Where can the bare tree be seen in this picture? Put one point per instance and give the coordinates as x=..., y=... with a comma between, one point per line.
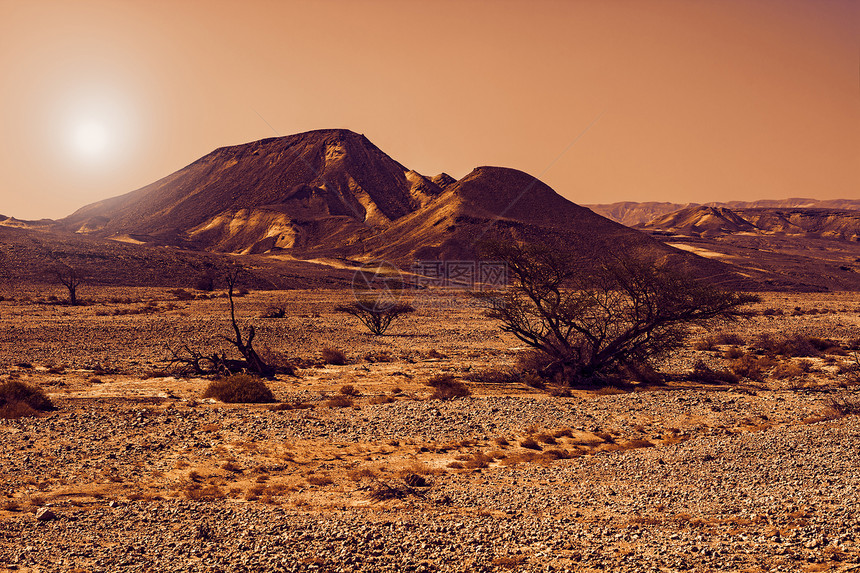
x=590, y=317
x=376, y=314
x=244, y=344
x=70, y=278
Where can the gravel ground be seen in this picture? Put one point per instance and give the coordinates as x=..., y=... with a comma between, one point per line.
x=142, y=474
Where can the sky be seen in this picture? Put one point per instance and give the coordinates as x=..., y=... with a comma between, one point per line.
x=604, y=100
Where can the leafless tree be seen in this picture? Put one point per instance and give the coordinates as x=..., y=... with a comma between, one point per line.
x=376, y=314
x=244, y=344
x=69, y=277
x=591, y=315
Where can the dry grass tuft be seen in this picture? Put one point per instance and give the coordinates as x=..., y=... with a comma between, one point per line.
x=339, y=401
x=319, y=480
x=446, y=387
x=349, y=390
x=19, y=400
x=333, y=356
x=240, y=388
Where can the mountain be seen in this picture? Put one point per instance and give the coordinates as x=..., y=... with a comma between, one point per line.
x=333, y=194
x=302, y=191
x=635, y=214
x=814, y=248
x=818, y=223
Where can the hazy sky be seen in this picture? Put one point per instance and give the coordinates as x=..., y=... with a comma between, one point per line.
x=604, y=100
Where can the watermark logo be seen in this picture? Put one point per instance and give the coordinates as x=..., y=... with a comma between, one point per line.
x=378, y=286
x=466, y=275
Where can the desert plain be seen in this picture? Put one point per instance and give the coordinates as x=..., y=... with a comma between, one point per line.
x=356, y=467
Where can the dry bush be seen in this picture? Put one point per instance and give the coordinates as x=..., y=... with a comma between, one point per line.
x=545, y=438
x=435, y=354
x=274, y=312
x=786, y=370
x=319, y=480
x=729, y=338
x=749, y=366
x=703, y=374
x=382, y=400
x=333, y=356
x=18, y=400
x=446, y=387
x=493, y=376
x=380, y=356
x=733, y=353
x=349, y=390
x=501, y=441
x=609, y=391
x=9, y=505
x=240, y=388
x=839, y=408
x=795, y=345
x=532, y=361
x=477, y=461
x=706, y=344
x=232, y=467
x=196, y=492
x=529, y=443
x=637, y=443
x=360, y=474
x=339, y=401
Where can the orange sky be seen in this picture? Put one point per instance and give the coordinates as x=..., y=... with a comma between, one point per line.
x=693, y=100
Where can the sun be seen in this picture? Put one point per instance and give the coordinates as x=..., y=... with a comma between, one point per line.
x=90, y=139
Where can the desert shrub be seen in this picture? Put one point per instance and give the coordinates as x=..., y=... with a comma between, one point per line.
x=827, y=346
x=274, y=312
x=319, y=480
x=494, y=376
x=232, y=467
x=196, y=492
x=592, y=312
x=333, y=356
x=545, y=438
x=733, y=353
x=380, y=356
x=339, y=401
x=752, y=367
x=240, y=388
x=786, y=370
x=708, y=343
x=794, y=345
x=382, y=400
x=18, y=400
x=349, y=390
x=839, y=408
x=435, y=354
x=182, y=294
x=478, y=460
x=376, y=314
x=704, y=374
x=729, y=338
x=529, y=443
x=446, y=387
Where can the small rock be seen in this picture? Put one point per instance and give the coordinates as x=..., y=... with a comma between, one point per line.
x=45, y=514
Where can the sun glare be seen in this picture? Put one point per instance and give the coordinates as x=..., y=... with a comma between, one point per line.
x=90, y=139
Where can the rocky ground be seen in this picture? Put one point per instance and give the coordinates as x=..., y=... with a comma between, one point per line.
x=136, y=471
